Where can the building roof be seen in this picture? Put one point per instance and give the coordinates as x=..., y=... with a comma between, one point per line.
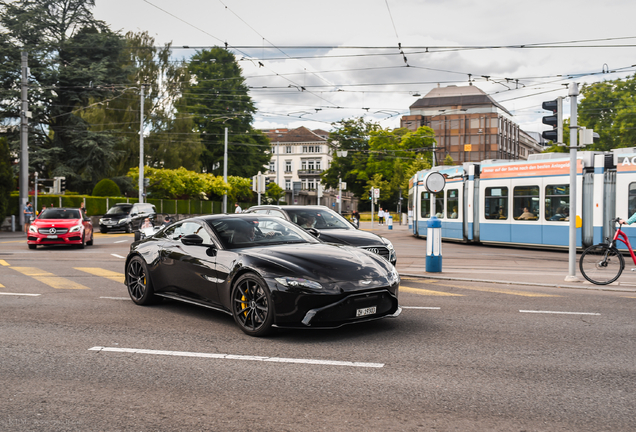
x=464, y=96
x=300, y=135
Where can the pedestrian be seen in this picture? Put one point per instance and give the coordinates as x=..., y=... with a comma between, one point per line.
x=28, y=216
x=237, y=208
x=381, y=216
x=83, y=208
x=166, y=221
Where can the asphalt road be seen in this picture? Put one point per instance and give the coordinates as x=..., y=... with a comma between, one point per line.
x=80, y=356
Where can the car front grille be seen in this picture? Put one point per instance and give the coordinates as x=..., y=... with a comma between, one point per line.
x=383, y=251
x=55, y=230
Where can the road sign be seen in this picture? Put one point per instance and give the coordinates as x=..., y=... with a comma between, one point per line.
x=376, y=193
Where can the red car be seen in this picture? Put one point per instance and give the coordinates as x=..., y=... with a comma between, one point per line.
x=61, y=226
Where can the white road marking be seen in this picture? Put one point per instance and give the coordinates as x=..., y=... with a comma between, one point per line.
x=556, y=312
x=116, y=298
x=419, y=307
x=118, y=256
x=239, y=357
x=20, y=294
x=121, y=241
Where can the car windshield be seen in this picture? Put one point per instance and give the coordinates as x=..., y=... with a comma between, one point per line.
x=240, y=232
x=119, y=210
x=318, y=218
x=60, y=214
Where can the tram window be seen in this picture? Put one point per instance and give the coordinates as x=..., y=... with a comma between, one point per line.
x=439, y=204
x=631, y=206
x=425, y=205
x=525, y=202
x=557, y=202
x=496, y=203
x=452, y=203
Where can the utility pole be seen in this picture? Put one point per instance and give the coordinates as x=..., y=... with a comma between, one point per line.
x=24, y=138
x=225, y=173
x=574, y=131
x=278, y=168
x=141, y=148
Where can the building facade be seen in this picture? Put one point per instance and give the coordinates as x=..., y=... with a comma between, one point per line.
x=299, y=157
x=469, y=126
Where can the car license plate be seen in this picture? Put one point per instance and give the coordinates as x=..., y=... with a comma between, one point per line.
x=365, y=311
x=51, y=236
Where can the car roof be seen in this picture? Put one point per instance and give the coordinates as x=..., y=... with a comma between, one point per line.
x=292, y=207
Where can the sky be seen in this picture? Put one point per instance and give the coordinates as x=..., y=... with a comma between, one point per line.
x=312, y=63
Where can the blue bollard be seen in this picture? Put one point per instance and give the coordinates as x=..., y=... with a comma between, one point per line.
x=434, y=245
x=390, y=222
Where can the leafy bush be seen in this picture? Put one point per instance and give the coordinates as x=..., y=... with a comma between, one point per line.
x=106, y=188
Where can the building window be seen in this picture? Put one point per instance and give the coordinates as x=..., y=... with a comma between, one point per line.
x=303, y=165
x=311, y=184
x=317, y=149
x=288, y=166
x=287, y=184
x=303, y=184
x=317, y=164
x=310, y=165
x=272, y=166
x=288, y=149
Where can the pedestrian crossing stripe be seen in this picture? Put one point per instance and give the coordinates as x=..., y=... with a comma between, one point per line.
x=422, y=291
x=49, y=279
x=108, y=274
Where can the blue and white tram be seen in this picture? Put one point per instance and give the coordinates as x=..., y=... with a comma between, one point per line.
x=527, y=202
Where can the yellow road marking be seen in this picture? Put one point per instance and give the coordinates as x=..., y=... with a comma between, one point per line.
x=498, y=291
x=628, y=296
x=14, y=241
x=427, y=292
x=49, y=279
x=96, y=271
x=4, y=263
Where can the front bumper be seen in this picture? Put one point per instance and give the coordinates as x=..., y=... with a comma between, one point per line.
x=114, y=226
x=303, y=310
x=42, y=239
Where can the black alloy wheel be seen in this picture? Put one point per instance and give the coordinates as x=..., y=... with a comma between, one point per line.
x=32, y=246
x=103, y=230
x=138, y=282
x=83, y=244
x=252, y=306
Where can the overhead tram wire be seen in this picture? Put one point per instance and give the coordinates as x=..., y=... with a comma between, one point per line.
x=228, y=45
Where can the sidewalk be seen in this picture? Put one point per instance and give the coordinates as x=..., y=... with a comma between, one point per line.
x=493, y=264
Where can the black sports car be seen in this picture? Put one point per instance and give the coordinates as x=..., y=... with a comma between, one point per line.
x=264, y=271
x=330, y=227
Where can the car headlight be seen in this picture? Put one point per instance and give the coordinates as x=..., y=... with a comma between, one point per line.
x=121, y=221
x=388, y=243
x=298, y=282
x=75, y=228
x=33, y=229
x=101, y=221
x=393, y=277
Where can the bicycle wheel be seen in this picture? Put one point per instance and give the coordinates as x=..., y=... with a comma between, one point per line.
x=601, y=264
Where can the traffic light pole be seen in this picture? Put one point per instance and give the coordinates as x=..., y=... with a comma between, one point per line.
x=141, y=147
x=573, y=93
x=24, y=140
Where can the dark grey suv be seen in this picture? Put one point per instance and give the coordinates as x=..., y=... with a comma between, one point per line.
x=126, y=217
x=330, y=227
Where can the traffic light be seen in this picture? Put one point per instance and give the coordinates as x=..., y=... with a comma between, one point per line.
x=62, y=184
x=555, y=120
x=371, y=193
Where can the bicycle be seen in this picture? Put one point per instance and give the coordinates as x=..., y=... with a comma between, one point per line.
x=603, y=263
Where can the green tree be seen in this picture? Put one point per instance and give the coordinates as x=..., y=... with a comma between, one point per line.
x=181, y=183
x=106, y=188
x=351, y=135
x=74, y=59
x=448, y=160
x=274, y=192
x=6, y=178
x=608, y=108
x=217, y=95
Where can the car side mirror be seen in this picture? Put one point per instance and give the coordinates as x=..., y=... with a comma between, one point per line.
x=313, y=231
x=192, y=240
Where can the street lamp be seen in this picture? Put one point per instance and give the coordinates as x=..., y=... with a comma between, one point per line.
x=340, y=153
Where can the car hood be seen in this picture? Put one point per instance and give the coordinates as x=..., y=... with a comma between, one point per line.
x=351, y=237
x=61, y=223
x=325, y=263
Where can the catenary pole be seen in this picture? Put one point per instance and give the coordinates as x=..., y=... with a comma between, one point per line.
x=141, y=147
x=573, y=93
x=225, y=173
x=24, y=139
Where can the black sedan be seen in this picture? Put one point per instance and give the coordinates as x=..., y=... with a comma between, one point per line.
x=264, y=271
x=330, y=226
